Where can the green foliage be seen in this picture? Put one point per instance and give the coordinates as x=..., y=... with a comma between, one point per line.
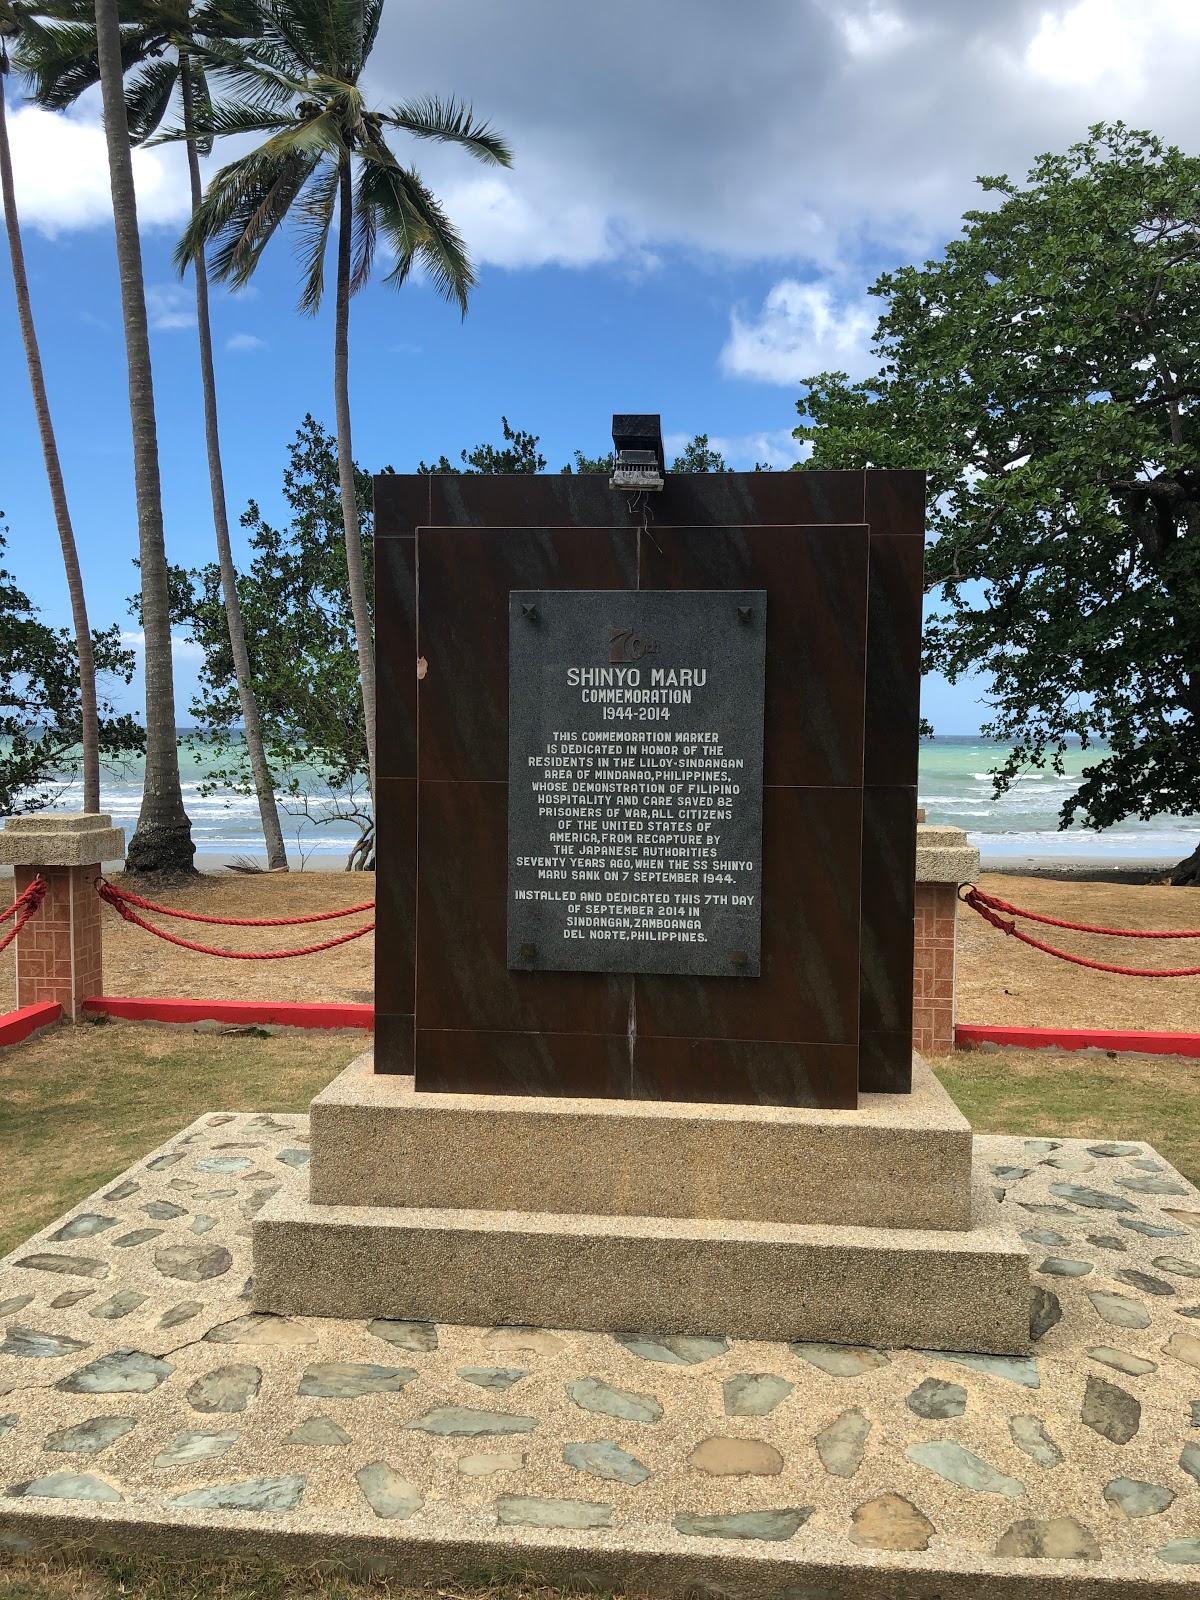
x=519, y=453
x=40, y=721
x=697, y=457
x=1045, y=372
x=299, y=632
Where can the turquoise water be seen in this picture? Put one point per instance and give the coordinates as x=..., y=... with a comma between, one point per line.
x=954, y=788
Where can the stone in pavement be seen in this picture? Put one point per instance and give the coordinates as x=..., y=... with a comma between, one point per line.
x=499, y=1378
x=1133, y=1498
x=1145, y=1282
x=532, y=1511
x=773, y=1525
x=8, y=1422
x=1054, y=1539
x=192, y=1263
x=537, y=1341
x=1185, y=1269
x=1106, y=1241
x=17, y=1302
x=163, y=1210
x=1184, y=1347
x=389, y=1495
x=1110, y=1411
x=1081, y=1194
x=463, y=1422
x=1029, y=1434
x=252, y=1494
x=604, y=1458
x=32, y=1345
x=1151, y=1230
x=1189, y=1460
x=590, y=1394
x=1045, y=1310
x=418, y=1336
x=185, y=1448
x=183, y=1312
x=1148, y=1185
x=890, y=1522
x=318, y=1430
x=1121, y=1361
x=840, y=1361
x=74, y=1266
x=736, y=1458
x=67, y=1486
x=1013, y=1369
x=1066, y=1267
x=88, y=1438
x=261, y=1327
x=1112, y=1150
x=130, y=1241
x=119, y=1372
x=679, y=1352
x=1180, y=1552
x=949, y=1460
x=754, y=1394
x=118, y=1305
x=936, y=1400
x=84, y=1227
x=345, y=1380
x=841, y=1444
x=1118, y=1310
x=225, y=1389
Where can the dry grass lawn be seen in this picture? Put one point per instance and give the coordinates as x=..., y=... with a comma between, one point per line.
x=1001, y=981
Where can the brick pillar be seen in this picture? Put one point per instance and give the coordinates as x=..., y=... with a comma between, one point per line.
x=944, y=860
x=59, y=955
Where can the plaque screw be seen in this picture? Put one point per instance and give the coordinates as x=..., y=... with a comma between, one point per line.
x=745, y=613
x=529, y=610
x=527, y=952
x=738, y=957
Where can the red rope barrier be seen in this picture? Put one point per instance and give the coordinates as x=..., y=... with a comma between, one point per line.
x=110, y=892
x=130, y=915
x=997, y=904
x=983, y=904
x=26, y=904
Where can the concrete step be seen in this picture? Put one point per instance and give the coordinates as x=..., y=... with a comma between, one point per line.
x=935, y=1289
x=897, y=1161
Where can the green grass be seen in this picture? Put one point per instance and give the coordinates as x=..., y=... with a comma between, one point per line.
x=80, y=1104
x=109, y=1578
x=1081, y=1095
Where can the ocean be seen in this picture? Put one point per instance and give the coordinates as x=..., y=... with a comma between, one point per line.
x=954, y=788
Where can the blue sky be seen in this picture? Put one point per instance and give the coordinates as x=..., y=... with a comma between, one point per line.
x=701, y=194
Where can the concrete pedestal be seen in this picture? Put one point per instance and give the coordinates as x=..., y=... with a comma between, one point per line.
x=853, y=1226
x=944, y=860
x=59, y=953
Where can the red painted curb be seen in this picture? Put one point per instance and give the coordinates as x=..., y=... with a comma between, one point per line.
x=18, y=1025
x=282, y=1013
x=1140, y=1043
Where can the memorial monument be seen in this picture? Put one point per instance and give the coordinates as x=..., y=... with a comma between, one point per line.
x=646, y=821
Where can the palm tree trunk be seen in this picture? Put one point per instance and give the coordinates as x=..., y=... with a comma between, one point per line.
x=162, y=840
x=341, y=400
x=90, y=726
x=264, y=786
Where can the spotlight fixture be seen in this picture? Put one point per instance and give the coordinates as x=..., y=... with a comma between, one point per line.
x=639, y=466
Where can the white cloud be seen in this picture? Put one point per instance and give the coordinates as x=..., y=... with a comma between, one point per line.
x=802, y=329
x=60, y=168
x=1112, y=40
x=245, y=343
x=170, y=306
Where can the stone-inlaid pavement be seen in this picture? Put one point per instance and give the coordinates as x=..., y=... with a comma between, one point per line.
x=143, y=1399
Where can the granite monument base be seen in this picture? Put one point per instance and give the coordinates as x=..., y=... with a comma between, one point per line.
x=762, y=1222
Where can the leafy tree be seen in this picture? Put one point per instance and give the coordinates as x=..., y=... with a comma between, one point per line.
x=1045, y=371
x=300, y=633
x=41, y=721
x=163, y=49
x=697, y=457
x=326, y=155
x=519, y=453
x=16, y=22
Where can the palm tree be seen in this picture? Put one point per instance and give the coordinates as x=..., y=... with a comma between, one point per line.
x=162, y=45
x=11, y=24
x=162, y=840
x=326, y=156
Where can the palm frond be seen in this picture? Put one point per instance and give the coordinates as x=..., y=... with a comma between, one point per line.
x=224, y=118
x=256, y=71
x=148, y=93
x=412, y=220
x=314, y=218
x=59, y=59
x=242, y=209
x=363, y=245
x=451, y=122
